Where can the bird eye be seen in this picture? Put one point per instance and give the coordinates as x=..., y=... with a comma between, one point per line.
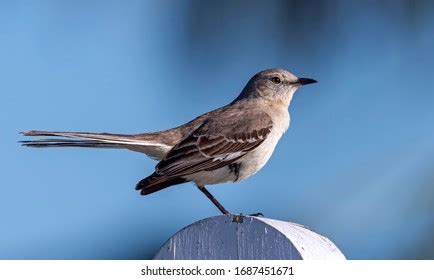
x=276, y=80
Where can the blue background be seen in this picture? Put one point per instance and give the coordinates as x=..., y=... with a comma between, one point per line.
x=356, y=164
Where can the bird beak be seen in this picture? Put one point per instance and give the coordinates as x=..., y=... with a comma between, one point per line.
x=305, y=81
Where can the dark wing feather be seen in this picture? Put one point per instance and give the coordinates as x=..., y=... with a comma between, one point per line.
x=209, y=152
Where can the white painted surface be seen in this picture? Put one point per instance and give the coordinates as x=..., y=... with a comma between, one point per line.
x=249, y=238
x=310, y=244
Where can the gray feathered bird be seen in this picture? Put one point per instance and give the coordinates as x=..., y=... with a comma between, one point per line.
x=228, y=144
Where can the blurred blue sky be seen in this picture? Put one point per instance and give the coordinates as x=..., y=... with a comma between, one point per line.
x=356, y=164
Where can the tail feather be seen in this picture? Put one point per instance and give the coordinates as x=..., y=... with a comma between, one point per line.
x=102, y=137
x=148, y=144
x=52, y=143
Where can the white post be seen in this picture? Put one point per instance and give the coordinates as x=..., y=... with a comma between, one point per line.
x=246, y=237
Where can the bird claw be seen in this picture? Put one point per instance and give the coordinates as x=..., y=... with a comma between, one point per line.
x=257, y=215
x=239, y=218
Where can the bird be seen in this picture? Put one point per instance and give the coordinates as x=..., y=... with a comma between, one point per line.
x=228, y=144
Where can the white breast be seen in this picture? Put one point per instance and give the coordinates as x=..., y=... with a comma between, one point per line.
x=256, y=159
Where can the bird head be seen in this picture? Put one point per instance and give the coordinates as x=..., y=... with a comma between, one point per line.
x=273, y=85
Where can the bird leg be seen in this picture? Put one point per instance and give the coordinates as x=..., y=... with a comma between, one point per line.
x=213, y=200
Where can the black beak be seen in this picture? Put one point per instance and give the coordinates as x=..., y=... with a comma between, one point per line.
x=306, y=81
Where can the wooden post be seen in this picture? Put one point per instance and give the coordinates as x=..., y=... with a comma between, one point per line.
x=246, y=237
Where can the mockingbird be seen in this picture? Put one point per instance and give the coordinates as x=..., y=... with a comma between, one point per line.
x=228, y=144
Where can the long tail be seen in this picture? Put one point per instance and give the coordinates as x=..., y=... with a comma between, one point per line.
x=150, y=144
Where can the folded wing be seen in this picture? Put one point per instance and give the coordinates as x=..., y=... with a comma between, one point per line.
x=216, y=143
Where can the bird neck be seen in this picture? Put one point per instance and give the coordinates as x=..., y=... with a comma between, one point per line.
x=279, y=100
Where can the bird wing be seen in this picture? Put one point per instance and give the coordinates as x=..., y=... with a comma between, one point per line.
x=218, y=142
x=221, y=137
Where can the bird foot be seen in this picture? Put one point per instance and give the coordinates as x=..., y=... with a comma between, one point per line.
x=257, y=214
x=239, y=218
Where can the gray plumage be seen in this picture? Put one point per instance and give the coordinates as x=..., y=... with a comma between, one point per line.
x=228, y=144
